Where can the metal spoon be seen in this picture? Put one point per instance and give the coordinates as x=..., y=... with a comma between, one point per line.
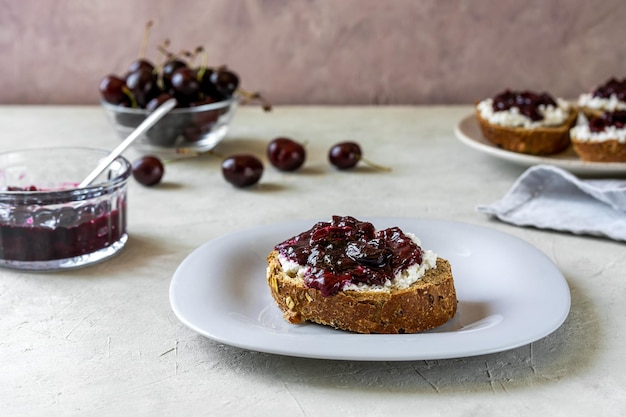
x=150, y=121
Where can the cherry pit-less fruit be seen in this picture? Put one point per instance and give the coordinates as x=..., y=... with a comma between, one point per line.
x=148, y=170
x=345, y=155
x=242, y=170
x=286, y=154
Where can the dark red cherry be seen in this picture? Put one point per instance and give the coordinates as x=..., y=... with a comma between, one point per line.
x=345, y=155
x=112, y=89
x=148, y=170
x=143, y=85
x=168, y=70
x=157, y=101
x=225, y=81
x=141, y=64
x=185, y=85
x=200, y=123
x=286, y=154
x=207, y=87
x=242, y=170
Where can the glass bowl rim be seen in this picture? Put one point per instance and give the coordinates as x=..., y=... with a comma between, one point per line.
x=74, y=193
x=179, y=110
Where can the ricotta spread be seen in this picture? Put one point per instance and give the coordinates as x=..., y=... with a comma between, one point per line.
x=582, y=133
x=601, y=103
x=401, y=280
x=552, y=116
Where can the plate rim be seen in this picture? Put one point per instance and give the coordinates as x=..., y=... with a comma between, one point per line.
x=573, y=165
x=280, y=349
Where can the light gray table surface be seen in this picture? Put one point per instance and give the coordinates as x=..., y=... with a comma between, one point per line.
x=104, y=340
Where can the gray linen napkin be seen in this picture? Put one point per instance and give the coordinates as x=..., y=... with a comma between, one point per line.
x=548, y=197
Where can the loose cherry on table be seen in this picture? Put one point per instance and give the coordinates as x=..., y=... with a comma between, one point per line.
x=286, y=154
x=346, y=155
x=148, y=170
x=242, y=170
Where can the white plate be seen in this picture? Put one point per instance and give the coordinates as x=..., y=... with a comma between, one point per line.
x=468, y=132
x=510, y=294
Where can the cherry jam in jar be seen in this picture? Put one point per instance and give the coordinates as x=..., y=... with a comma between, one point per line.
x=46, y=222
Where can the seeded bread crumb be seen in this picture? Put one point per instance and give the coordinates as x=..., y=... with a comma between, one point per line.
x=428, y=303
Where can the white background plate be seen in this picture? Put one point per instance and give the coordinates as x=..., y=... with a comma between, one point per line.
x=468, y=132
x=510, y=294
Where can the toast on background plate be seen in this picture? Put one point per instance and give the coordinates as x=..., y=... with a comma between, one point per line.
x=526, y=122
x=607, y=97
x=601, y=139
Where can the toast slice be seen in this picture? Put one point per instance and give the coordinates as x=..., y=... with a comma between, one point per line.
x=601, y=139
x=537, y=141
x=427, y=303
x=606, y=151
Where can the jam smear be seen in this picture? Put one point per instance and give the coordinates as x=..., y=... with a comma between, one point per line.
x=616, y=118
x=526, y=101
x=27, y=188
x=346, y=250
x=612, y=86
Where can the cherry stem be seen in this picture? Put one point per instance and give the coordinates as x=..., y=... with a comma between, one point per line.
x=163, y=49
x=144, y=40
x=190, y=153
x=375, y=165
x=131, y=96
x=204, y=64
x=188, y=55
x=249, y=96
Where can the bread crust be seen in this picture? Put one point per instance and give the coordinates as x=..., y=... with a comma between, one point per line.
x=604, y=151
x=426, y=304
x=537, y=141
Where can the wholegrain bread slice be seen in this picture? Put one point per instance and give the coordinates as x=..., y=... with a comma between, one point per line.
x=536, y=141
x=426, y=304
x=605, y=151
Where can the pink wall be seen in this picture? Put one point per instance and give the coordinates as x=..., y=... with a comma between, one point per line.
x=320, y=51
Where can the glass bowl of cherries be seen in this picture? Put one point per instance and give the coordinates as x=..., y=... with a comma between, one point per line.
x=207, y=99
x=48, y=222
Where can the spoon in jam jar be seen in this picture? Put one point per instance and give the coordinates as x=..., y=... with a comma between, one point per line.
x=150, y=121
